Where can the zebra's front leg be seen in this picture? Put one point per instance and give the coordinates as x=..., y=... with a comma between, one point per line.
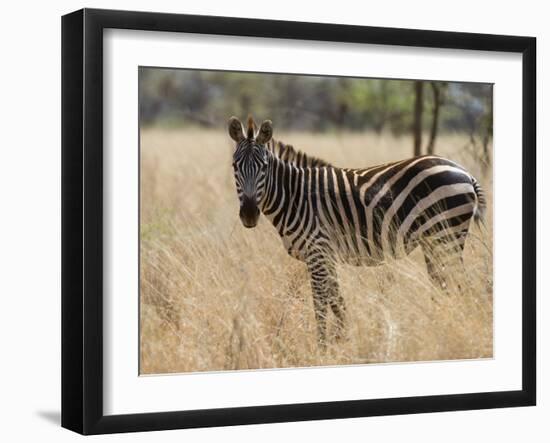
x=320, y=307
x=338, y=307
x=324, y=286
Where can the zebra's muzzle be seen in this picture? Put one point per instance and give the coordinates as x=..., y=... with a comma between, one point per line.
x=249, y=212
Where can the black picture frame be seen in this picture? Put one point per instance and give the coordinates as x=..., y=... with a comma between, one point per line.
x=82, y=220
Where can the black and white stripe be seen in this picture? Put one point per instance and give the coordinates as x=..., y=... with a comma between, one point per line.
x=327, y=215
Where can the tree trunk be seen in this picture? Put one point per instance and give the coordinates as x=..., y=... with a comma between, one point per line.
x=417, y=123
x=435, y=117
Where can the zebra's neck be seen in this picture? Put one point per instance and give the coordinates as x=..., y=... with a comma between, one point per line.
x=283, y=182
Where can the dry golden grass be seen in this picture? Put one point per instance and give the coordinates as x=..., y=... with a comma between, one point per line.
x=216, y=296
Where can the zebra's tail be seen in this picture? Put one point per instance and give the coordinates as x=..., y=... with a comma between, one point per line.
x=481, y=207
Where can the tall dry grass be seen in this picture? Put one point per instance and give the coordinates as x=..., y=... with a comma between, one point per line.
x=217, y=296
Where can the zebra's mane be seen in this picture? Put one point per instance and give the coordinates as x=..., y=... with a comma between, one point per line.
x=293, y=156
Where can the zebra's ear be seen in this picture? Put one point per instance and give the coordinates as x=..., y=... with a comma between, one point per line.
x=235, y=128
x=265, y=133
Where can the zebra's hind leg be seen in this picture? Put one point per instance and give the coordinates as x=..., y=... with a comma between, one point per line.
x=444, y=260
x=324, y=286
x=436, y=270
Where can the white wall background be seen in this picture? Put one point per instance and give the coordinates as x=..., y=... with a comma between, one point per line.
x=30, y=218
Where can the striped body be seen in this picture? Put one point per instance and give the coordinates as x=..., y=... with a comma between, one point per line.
x=365, y=216
x=327, y=215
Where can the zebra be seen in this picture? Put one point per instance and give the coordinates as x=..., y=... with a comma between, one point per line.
x=327, y=215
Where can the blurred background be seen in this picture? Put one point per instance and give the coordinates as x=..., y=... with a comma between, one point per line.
x=421, y=110
x=217, y=296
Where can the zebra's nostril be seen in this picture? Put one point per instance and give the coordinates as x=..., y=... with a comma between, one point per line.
x=249, y=212
x=249, y=204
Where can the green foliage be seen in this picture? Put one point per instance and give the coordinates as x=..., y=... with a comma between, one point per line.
x=304, y=102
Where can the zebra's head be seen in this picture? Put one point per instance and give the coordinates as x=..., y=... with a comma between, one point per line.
x=250, y=161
